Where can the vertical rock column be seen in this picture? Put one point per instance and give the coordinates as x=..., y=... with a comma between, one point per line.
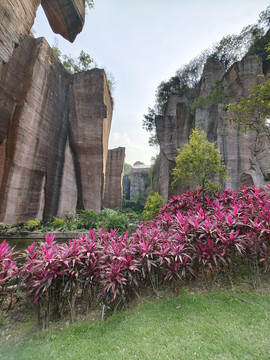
x=90, y=122
x=33, y=132
x=113, y=194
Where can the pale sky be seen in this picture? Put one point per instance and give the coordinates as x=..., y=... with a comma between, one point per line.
x=143, y=42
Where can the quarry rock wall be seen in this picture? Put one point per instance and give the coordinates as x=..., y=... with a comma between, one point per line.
x=246, y=155
x=54, y=134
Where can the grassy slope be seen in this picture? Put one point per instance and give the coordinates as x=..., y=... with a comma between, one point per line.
x=220, y=325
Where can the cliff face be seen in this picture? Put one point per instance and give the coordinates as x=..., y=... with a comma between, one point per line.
x=54, y=132
x=113, y=194
x=12, y=29
x=66, y=18
x=90, y=123
x=138, y=184
x=247, y=156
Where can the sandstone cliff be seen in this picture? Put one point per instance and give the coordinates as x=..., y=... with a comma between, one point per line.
x=113, y=194
x=90, y=123
x=138, y=184
x=247, y=156
x=66, y=18
x=54, y=133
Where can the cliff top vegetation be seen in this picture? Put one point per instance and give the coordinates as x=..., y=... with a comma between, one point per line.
x=228, y=50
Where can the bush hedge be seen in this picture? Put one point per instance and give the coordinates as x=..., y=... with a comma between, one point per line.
x=192, y=236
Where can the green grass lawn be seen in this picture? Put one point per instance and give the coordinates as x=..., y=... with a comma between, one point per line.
x=220, y=325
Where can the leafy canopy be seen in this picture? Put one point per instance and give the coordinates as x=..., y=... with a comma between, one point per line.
x=127, y=169
x=252, y=111
x=138, y=163
x=199, y=163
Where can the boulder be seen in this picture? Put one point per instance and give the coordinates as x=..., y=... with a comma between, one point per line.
x=66, y=17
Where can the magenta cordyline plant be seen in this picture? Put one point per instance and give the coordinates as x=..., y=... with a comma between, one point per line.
x=216, y=230
x=8, y=271
x=192, y=235
x=8, y=267
x=118, y=269
x=40, y=276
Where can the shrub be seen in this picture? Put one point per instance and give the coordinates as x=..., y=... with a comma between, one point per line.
x=193, y=235
x=152, y=206
x=32, y=224
x=118, y=221
x=87, y=219
x=199, y=163
x=2, y=226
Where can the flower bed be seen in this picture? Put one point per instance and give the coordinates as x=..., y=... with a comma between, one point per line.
x=191, y=236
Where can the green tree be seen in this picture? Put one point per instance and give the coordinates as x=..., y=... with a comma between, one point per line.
x=127, y=169
x=199, y=163
x=83, y=63
x=138, y=163
x=152, y=206
x=150, y=126
x=252, y=111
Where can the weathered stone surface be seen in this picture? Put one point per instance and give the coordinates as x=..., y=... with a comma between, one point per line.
x=247, y=156
x=66, y=17
x=172, y=131
x=90, y=122
x=34, y=121
x=68, y=191
x=126, y=187
x=138, y=184
x=16, y=19
x=54, y=132
x=213, y=72
x=113, y=194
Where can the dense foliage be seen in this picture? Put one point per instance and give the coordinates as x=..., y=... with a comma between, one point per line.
x=193, y=236
x=84, y=220
x=199, y=163
x=152, y=206
x=83, y=63
x=252, y=111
